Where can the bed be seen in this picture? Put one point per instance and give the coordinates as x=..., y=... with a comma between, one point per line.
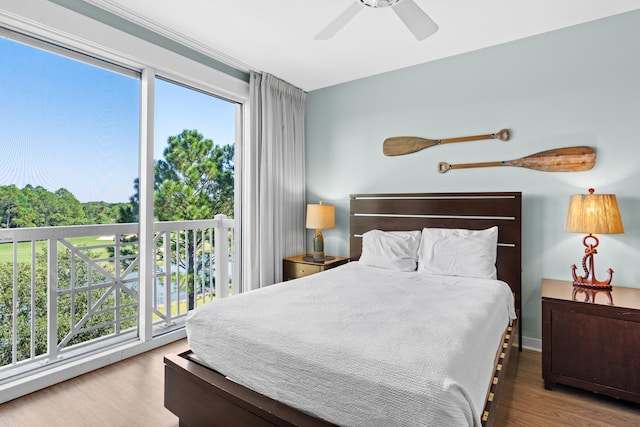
x=199, y=395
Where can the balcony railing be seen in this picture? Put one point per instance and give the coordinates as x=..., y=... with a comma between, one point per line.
x=68, y=291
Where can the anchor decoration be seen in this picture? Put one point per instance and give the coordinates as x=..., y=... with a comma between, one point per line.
x=589, y=279
x=588, y=284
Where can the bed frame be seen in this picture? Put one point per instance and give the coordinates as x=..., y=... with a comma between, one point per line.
x=200, y=396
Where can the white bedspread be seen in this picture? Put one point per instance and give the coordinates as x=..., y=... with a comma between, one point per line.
x=362, y=346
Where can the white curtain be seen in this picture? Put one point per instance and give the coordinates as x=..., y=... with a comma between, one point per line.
x=273, y=176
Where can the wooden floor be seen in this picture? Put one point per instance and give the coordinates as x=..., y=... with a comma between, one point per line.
x=130, y=393
x=533, y=406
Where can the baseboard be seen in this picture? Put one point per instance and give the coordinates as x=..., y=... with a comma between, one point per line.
x=534, y=344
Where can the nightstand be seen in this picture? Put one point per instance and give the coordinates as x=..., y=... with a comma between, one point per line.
x=595, y=345
x=295, y=267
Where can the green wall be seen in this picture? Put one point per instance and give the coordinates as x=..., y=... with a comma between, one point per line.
x=576, y=86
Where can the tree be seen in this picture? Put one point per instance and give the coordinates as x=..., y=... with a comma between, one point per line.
x=128, y=212
x=38, y=207
x=68, y=210
x=8, y=194
x=102, y=212
x=25, y=208
x=194, y=181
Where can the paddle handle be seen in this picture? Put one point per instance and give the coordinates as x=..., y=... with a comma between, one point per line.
x=444, y=166
x=502, y=135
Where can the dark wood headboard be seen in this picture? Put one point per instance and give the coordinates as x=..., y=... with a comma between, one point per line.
x=476, y=211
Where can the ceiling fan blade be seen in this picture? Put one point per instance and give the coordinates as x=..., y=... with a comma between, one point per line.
x=415, y=19
x=338, y=23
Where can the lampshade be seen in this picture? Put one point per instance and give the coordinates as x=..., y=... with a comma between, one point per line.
x=321, y=216
x=594, y=214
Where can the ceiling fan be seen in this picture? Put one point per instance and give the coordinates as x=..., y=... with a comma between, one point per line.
x=408, y=11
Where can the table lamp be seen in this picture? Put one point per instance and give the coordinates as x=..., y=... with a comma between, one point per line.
x=320, y=216
x=593, y=214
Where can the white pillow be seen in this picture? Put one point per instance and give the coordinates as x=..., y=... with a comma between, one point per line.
x=459, y=252
x=395, y=250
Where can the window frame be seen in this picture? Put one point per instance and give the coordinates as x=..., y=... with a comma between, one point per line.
x=59, y=28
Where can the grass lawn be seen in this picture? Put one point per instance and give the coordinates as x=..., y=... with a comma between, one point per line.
x=24, y=248
x=200, y=299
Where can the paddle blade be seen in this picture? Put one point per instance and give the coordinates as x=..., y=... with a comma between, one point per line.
x=340, y=21
x=399, y=145
x=418, y=22
x=567, y=159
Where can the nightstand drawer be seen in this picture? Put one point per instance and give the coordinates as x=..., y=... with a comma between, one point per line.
x=297, y=266
x=294, y=271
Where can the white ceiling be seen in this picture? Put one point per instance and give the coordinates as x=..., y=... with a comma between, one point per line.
x=277, y=36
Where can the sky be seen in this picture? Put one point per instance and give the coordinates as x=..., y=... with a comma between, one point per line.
x=67, y=124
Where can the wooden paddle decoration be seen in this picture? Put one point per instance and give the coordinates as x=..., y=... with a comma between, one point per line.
x=399, y=145
x=568, y=159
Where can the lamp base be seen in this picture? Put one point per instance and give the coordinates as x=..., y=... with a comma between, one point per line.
x=598, y=287
x=589, y=279
x=590, y=292
x=314, y=258
x=318, y=244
